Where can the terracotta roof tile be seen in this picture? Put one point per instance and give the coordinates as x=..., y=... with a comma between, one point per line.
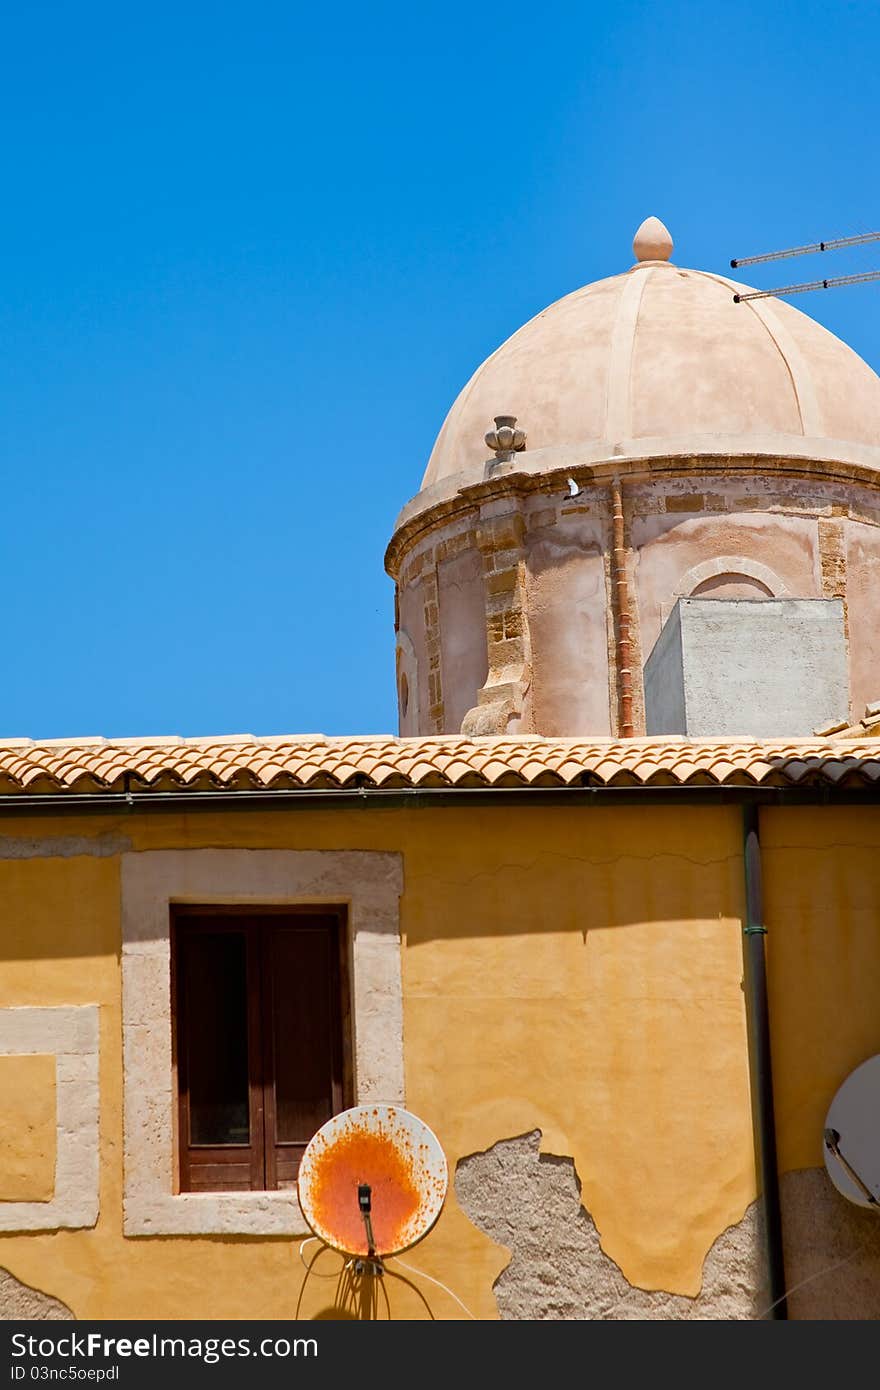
x=866, y=727
x=243, y=762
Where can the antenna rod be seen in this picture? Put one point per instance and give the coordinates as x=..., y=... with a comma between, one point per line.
x=835, y=245
x=811, y=285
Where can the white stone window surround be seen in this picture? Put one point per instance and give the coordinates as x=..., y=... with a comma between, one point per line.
x=70, y=1033
x=370, y=884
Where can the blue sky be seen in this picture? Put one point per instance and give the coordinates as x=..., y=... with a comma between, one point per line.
x=249, y=255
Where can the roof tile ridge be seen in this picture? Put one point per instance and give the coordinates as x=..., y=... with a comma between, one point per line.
x=81, y=741
x=219, y=740
x=148, y=741
x=289, y=740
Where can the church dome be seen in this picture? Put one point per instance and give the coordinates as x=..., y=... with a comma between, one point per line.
x=662, y=360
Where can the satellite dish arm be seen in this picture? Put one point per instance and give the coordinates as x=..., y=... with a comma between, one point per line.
x=832, y=1140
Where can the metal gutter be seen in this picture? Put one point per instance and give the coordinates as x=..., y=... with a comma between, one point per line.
x=62, y=803
x=760, y=1065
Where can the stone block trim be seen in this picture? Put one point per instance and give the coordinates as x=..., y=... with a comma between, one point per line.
x=832, y=558
x=152, y=880
x=70, y=1034
x=505, y=696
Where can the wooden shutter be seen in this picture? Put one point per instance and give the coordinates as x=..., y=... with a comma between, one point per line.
x=302, y=1033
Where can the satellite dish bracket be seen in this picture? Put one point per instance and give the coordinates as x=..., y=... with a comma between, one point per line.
x=372, y=1264
x=832, y=1140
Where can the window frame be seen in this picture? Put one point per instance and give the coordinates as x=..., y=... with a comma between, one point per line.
x=212, y=918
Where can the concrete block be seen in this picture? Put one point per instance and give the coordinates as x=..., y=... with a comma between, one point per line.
x=762, y=668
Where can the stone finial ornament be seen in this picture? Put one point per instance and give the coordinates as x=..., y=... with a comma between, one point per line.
x=506, y=440
x=652, y=241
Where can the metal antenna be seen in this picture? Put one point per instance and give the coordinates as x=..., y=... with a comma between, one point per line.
x=810, y=285
x=841, y=241
x=826, y=284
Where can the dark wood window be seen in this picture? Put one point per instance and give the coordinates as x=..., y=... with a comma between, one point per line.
x=260, y=1009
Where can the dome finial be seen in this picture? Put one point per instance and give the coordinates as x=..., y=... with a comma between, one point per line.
x=652, y=241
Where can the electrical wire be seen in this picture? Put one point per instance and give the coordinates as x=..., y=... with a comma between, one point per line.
x=347, y=1282
x=308, y=1267
x=818, y=1275
x=432, y=1280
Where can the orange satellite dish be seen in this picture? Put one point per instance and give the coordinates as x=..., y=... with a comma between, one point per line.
x=372, y=1181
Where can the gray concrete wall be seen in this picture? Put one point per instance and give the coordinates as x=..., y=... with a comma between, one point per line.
x=763, y=668
x=664, y=681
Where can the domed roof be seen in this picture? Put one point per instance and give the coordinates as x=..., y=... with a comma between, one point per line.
x=661, y=360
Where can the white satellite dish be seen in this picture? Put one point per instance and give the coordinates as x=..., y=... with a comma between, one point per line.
x=852, y=1136
x=372, y=1181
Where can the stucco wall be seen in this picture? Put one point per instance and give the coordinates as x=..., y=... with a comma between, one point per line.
x=668, y=546
x=822, y=907
x=411, y=619
x=568, y=625
x=27, y=1153
x=862, y=587
x=463, y=656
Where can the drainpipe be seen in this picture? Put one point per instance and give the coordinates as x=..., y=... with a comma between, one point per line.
x=620, y=598
x=758, y=1022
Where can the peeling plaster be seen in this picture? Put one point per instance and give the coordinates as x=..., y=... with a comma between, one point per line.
x=531, y=1203
x=19, y=1302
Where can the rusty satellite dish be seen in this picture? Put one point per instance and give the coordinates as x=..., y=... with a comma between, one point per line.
x=372, y=1181
x=852, y=1136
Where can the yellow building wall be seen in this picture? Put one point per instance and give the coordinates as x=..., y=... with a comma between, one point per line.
x=573, y=970
x=27, y=1136
x=822, y=908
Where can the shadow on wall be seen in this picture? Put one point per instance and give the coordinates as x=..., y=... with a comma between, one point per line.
x=358, y=1294
x=570, y=868
x=530, y=1203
